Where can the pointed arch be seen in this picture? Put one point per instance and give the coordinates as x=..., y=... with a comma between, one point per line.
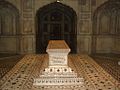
x=64, y=22
x=9, y=28
x=105, y=24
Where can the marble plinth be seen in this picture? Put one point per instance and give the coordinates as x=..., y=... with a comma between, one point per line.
x=58, y=72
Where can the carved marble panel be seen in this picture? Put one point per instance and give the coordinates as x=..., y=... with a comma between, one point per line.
x=85, y=16
x=27, y=15
x=86, y=6
x=8, y=26
x=24, y=44
x=27, y=26
x=84, y=44
x=8, y=44
x=27, y=5
x=84, y=27
x=30, y=44
x=27, y=44
x=104, y=44
x=104, y=25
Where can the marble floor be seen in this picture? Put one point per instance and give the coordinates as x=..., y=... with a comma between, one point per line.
x=110, y=64
x=7, y=62
x=22, y=75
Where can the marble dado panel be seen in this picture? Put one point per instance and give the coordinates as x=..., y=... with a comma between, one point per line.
x=28, y=26
x=9, y=44
x=27, y=44
x=84, y=44
x=104, y=44
x=84, y=27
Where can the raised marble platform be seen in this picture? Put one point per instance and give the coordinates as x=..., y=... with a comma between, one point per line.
x=22, y=75
x=58, y=72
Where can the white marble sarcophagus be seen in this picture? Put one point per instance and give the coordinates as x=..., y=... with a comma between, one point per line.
x=58, y=72
x=58, y=51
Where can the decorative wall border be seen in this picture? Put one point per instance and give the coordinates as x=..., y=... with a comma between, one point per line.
x=27, y=8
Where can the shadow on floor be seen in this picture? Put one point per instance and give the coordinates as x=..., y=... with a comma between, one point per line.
x=109, y=62
x=6, y=64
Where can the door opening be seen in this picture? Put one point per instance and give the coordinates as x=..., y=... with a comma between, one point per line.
x=56, y=22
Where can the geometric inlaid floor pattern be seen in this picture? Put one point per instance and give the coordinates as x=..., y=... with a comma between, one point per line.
x=21, y=76
x=8, y=62
x=110, y=63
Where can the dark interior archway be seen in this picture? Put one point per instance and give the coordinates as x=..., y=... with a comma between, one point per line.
x=56, y=22
x=106, y=27
x=9, y=28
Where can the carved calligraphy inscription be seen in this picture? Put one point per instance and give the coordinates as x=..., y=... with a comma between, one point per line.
x=57, y=60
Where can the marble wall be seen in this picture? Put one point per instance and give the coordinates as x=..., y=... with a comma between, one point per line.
x=90, y=38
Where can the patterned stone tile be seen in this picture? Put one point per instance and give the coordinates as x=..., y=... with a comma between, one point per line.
x=23, y=73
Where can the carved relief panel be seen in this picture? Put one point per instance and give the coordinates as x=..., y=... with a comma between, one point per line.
x=85, y=16
x=28, y=16
x=27, y=41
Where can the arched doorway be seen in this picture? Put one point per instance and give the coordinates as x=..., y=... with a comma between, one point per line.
x=106, y=27
x=9, y=28
x=56, y=22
